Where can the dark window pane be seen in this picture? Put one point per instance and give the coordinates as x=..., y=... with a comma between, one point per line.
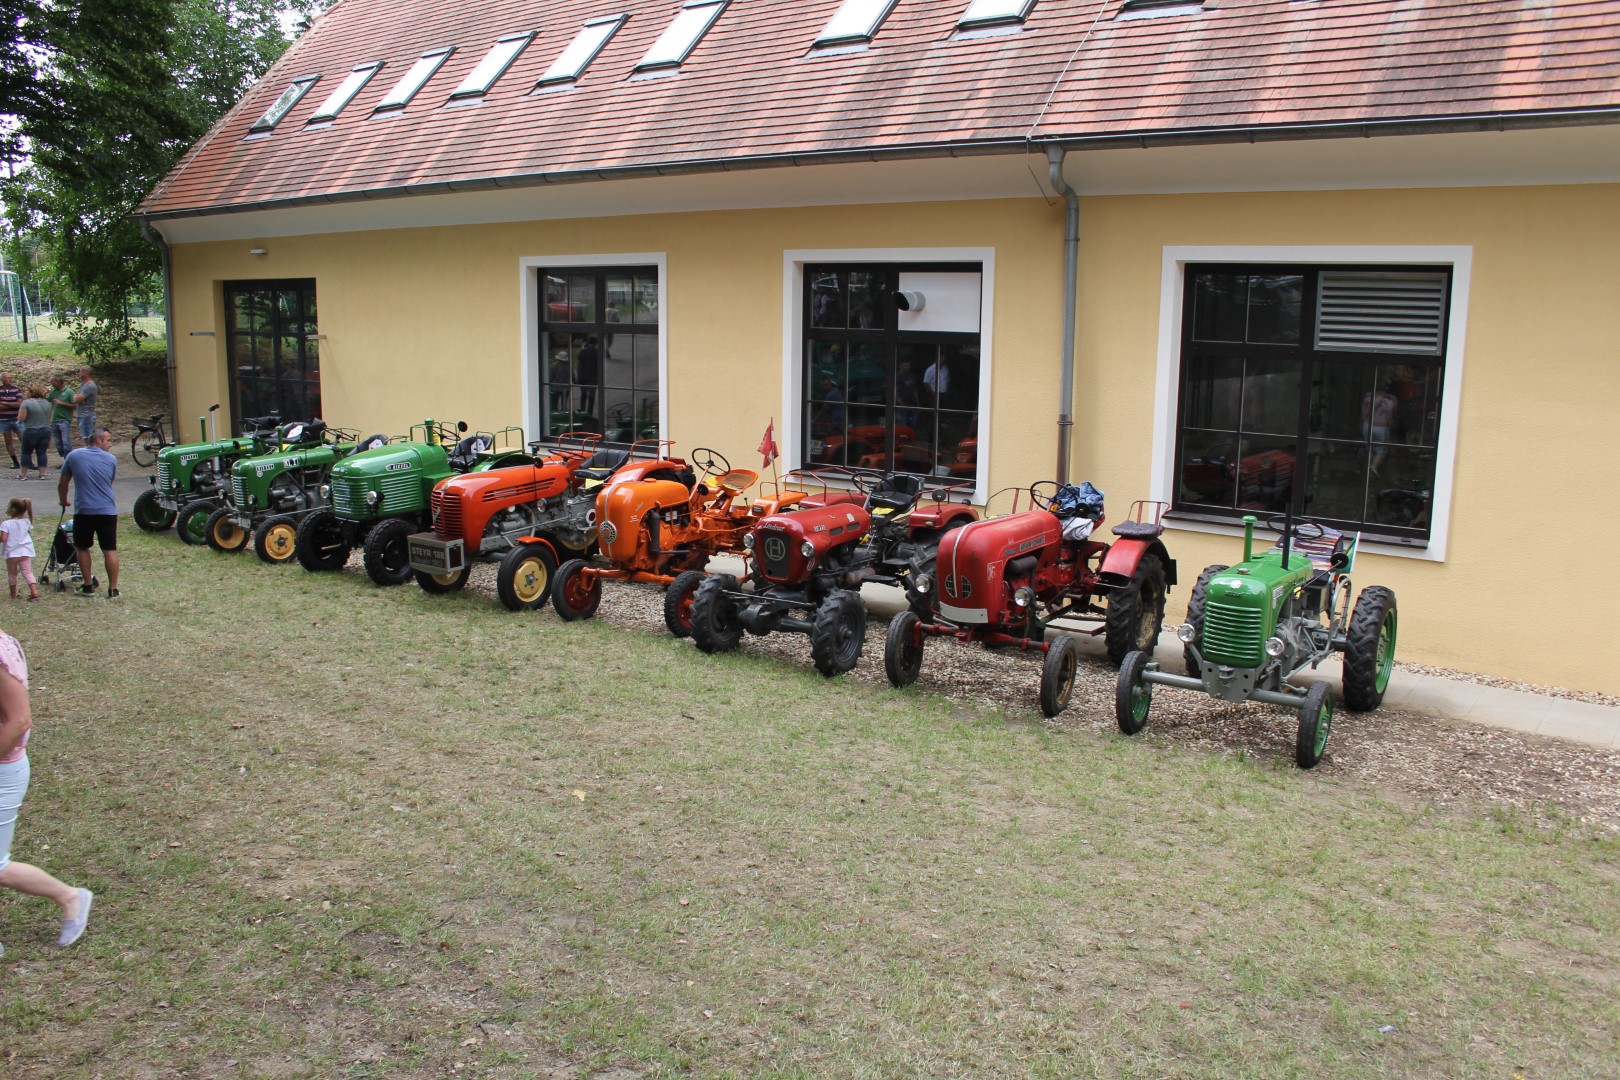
x=908, y=382
x=958, y=380
x=867, y=292
x=581, y=298
x=1338, y=479
x=646, y=416
x=868, y=437
x=1220, y=300
x=1212, y=395
x=620, y=414
x=914, y=446
x=291, y=358
x=1274, y=308
x=1265, y=474
x=1209, y=468
x=958, y=455
x=1271, y=396
x=1341, y=397
x=827, y=307
x=646, y=298
x=828, y=376
x=644, y=347
x=825, y=423
x=1401, y=487
x=868, y=375
x=1415, y=418
x=242, y=356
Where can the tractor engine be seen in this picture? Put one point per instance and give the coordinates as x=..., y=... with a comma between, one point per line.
x=986, y=567
x=628, y=511
x=789, y=548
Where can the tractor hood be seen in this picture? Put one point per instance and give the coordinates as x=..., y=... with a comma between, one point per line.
x=393, y=458
x=622, y=510
x=972, y=564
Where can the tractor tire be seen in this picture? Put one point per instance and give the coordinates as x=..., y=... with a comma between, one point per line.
x=526, y=577
x=1133, y=696
x=223, y=534
x=678, y=602
x=1195, y=615
x=838, y=633
x=276, y=540
x=714, y=615
x=388, y=553
x=149, y=515
x=191, y=524
x=1136, y=612
x=438, y=584
x=575, y=596
x=320, y=545
x=1315, y=721
x=1057, y=675
x=903, y=649
x=1369, y=649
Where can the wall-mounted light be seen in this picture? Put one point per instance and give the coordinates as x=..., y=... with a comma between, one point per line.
x=909, y=301
x=258, y=251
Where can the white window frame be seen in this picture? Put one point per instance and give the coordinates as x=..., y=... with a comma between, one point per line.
x=418, y=75
x=793, y=286
x=980, y=13
x=855, y=22
x=1167, y=386
x=529, y=300
x=487, y=72
x=683, y=35
x=591, y=39
x=338, y=100
x=285, y=102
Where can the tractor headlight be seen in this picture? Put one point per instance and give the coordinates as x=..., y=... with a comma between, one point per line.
x=1186, y=632
x=1275, y=647
x=748, y=542
x=923, y=583
x=1024, y=597
x=326, y=492
x=807, y=549
x=373, y=498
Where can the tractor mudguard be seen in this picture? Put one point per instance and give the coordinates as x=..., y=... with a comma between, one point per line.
x=936, y=517
x=543, y=542
x=1119, y=565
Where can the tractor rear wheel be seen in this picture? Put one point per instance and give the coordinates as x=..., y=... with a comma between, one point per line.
x=678, y=602
x=1133, y=695
x=525, y=578
x=903, y=649
x=191, y=524
x=276, y=541
x=575, y=594
x=1057, y=675
x=222, y=532
x=1195, y=616
x=838, y=633
x=1136, y=612
x=1369, y=649
x=149, y=514
x=450, y=582
x=1315, y=720
x=714, y=615
x=320, y=544
x=388, y=552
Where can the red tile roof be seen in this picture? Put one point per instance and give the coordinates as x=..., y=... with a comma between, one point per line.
x=754, y=90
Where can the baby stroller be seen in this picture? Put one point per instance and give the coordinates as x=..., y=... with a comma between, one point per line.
x=63, y=560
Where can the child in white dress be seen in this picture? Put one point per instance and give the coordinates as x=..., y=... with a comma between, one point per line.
x=17, y=534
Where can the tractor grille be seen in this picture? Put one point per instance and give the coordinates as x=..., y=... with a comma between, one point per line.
x=163, y=474
x=446, y=516
x=348, y=497
x=238, y=492
x=775, y=552
x=1232, y=635
x=400, y=492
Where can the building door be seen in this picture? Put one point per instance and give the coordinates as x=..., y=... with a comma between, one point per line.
x=270, y=339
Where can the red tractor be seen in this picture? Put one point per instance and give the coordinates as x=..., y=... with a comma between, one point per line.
x=1004, y=581
x=814, y=560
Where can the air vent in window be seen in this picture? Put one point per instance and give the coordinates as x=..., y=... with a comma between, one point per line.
x=1383, y=313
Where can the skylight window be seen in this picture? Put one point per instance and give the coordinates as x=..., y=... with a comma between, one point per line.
x=582, y=50
x=1151, y=9
x=283, y=104
x=493, y=65
x=994, y=13
x=337, y=99
x=855, y=21
x=414, y=79
x=676, y=43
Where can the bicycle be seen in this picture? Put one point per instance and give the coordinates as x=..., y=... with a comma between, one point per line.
x=148, y=439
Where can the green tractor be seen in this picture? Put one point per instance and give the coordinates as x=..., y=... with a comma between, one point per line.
x=191, y=477
x=380, y=497
x=270, y=494
x=1252, y=626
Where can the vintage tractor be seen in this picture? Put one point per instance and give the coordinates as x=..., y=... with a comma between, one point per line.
x=525, y=516
x=1004, y=581
x=191, y=478
x=380, y=497
x=808, y=567
x=1252, y=626
x=271, y=493
x=665, y=529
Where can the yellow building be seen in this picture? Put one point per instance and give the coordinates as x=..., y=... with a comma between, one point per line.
x=1307, y=254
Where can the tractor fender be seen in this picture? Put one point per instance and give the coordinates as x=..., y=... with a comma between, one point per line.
x=941, y=516
x=1119, y=565
x=544, y=542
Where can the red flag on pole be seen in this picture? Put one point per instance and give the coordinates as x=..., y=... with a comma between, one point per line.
x=767, y=445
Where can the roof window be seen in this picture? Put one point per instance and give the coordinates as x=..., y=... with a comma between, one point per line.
x=677, y=41
x=855, y=21
x=283, y=104
x=414, y=79
x=337, y=99
x=1153, y=9
x=582, y=50
x=493, y=65
x=981, y=13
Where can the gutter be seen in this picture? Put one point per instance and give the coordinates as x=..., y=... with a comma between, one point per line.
x=156, y=238
x=1071, y=283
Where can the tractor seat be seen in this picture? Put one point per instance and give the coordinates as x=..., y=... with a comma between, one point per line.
x=895, y=493
x=1138, y=530
x=601, y=465
x=467, y=450
x=371, y=442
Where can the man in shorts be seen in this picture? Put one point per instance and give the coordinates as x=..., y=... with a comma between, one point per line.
x=85, y=398
x=11, y=396
x=95, y=512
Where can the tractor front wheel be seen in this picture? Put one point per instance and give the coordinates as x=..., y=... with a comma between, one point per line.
x=277, y=539
x=222, y=532
x=678, y=602
x=320, y=544
x=454, y=581
x=388, y=552
x=1136, y=612
x=149, y=513
x=1369, y=649
x=839, y=632
x=1057, y=675
x=1315, y=720
x=903, y=649
x=714, y=615
x=575, y=594
x=525, y=577
x=1195, y=616
x=191, y=524
x=1133, y=695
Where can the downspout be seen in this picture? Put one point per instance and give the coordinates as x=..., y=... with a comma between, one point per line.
x=1071, y=276
x=156, y=238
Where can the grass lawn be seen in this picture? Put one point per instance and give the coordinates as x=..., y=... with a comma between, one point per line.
x=337, y=831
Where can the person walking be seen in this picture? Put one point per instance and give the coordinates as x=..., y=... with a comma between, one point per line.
x=15, y=721
x=17, y=539
x=91, y=470
x=61, y=399
x=35, y=416
x=11, y=396
x=85, y=399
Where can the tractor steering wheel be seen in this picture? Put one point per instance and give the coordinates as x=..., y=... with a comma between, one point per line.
x=1277, y=522
x=1041, y=498
x=710, y=462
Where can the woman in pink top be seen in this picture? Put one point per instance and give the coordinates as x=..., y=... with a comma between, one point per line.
x=15, y=720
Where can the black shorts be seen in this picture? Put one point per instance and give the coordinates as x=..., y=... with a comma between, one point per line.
x=102, y=527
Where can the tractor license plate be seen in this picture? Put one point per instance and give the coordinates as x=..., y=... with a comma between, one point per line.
x=431, y=555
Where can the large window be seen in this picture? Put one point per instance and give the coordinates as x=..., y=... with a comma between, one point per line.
x=599, y=367
x=273, y=348
x=892, y=368
x=1313, y=387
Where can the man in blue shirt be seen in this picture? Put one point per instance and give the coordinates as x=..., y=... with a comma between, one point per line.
x=95, y=512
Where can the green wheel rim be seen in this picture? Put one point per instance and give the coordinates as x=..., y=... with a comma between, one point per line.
x=1141, y=698
x=1324, y=724
x=1386, y=652
x=197, y=528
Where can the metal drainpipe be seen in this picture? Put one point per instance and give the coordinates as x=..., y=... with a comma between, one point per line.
x=155, y=238
x=1071, y=275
